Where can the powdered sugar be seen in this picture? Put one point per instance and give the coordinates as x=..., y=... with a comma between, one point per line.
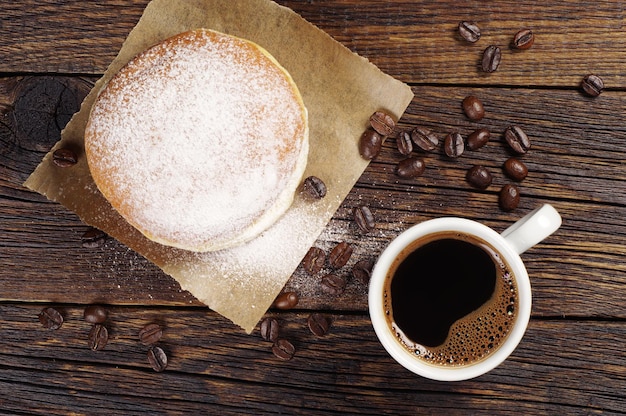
x=193, y=142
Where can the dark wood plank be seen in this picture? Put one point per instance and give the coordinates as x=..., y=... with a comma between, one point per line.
x=418, y=41
x=415, y=41
x=214, y=367
x=64, y=37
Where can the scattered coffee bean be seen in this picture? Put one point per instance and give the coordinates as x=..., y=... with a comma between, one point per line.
x=340, y=255
x=404, y=143
x=269, y=329
x=283, y=349
x=515, y=169
x=370, y=144
x=286, y=300
x=318, y=324
x=479, y=177
x=469, y=31
x=98, y=337
x=315, y=187
x=362, y=270
x=50, y=318
x=364, y=218
x=93, y=238
x=314, y=260
x=150, y=334
x=491, y=58
x=95, y=314
x=157, y=359
x=64, y=158
x=524, y=39
x=517, y=139
x=473, y=108
x=411, y=167
x=509, y=197
x=333, y=284
x=424, y=139
x=383, y=123
x=454, y=145
x=592, y=85
x=478, y=139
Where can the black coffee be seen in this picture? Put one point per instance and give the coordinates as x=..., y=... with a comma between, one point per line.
x=450, y=299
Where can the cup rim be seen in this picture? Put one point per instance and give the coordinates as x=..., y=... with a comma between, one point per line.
x=388, y=339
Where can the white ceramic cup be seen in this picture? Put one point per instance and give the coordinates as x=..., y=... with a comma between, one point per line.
x=516, y=239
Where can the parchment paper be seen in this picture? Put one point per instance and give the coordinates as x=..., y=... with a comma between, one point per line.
x=340, y=90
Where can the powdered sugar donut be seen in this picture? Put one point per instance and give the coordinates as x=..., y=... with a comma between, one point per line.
x=199, y=142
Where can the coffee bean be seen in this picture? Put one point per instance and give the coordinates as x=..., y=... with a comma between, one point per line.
x=370, y=144
x=314, y=187
x=314, y=260
x=318, y=324
x=157, y=359
x=269, y=329
x=592, y=85
x=95, y=314
x=383, y=123
x=50, y=318
x=509, y=197
x=404, y=143
x=286, y=300
x=150, y=334
x=515, y=169
x=424, y=139
x=411, y=167
x=364, y=218
x=98, y=337
x=469, y=31
x=517, y=139
x=491, y=58
x=340, y=255
x=64, y=158
x=333, y=284
x=479, y=177
x=283, y=349
x=478, y=139
x=473, y=108
x=362, y=270
x=524, y=39
x=454, y=145
x=93, y=238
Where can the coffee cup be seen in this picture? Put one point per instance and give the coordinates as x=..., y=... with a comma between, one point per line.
x=450, y=298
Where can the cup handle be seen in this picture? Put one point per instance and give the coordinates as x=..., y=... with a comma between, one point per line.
x=533, y=228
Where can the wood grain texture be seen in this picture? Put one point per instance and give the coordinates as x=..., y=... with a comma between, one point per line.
x=418, y=41
x=571, y=361
x=214, y=367
x=414, y=41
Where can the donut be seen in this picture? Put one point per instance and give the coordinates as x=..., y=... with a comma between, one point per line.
x=199, y=142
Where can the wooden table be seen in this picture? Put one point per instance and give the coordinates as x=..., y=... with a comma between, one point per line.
x=572, y=359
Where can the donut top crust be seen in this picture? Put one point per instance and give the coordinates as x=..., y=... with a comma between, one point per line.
x=199, y=142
